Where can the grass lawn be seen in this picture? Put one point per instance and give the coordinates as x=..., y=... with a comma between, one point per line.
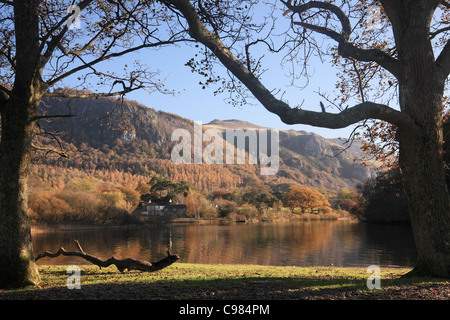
x=182, y=281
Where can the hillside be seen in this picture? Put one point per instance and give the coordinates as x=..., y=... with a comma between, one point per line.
x=110, y=135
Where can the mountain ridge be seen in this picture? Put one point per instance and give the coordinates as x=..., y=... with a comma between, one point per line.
x=116, y=134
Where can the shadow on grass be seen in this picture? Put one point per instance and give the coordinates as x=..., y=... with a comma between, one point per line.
x=251, y=288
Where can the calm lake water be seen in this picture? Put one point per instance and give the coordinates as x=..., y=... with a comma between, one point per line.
x=315, y=243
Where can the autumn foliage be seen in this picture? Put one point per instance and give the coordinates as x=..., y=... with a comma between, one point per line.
x=73, y=196
x=307, y=199
x=82, y=200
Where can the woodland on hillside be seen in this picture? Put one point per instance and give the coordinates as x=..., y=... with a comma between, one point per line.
x=96, y=166
x=118, y=134
x=74, y=196
x=101, y=186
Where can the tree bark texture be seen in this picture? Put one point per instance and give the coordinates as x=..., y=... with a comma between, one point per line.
x=423, y=170
x=421, y=148
x=18, y=116
x=17, y=267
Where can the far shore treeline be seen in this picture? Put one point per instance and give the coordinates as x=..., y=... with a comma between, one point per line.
x=71, y=196
x=113, y=161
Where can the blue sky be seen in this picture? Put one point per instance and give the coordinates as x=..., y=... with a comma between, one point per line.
x=198, y=104
x=194, y=103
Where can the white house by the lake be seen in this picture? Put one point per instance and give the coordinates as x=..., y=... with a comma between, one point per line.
x=164, y=209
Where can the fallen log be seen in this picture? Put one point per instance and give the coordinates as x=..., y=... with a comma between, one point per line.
x=122, y=264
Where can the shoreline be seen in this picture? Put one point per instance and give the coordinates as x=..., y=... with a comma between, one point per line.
x=70, y=227
x=41, y=228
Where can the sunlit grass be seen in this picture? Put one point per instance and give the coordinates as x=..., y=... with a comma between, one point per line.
x=185, y=281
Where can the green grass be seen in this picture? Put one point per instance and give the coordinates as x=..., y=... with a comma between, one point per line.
x=201, y=281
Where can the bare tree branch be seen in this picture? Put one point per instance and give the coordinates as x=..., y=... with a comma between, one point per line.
x=90, y=42
x=443, y=62
x=122, y=265
x=90, y=95
x=50, y=150
x=55, y=116
x=345, y=22
x=346, y=48
x=54, y=137
x=56, y=40
x=6, y=52
x=445, y=4
x=360, y=85
x=110, y=56
x=4, y=91
x=288, y=115
x=437, y=32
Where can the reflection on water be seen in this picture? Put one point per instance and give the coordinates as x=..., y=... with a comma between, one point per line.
x=316, y=243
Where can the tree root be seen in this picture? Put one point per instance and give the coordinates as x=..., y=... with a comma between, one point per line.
x=421, y=272
x=122, y=265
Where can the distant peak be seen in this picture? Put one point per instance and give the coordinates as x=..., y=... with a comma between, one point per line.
x=233, y=124
x=215, y=121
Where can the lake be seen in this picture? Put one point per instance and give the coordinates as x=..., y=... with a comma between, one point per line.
x=313, y=243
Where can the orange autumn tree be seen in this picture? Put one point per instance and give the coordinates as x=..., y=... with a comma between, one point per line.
x=198, y=206
x=306, y=199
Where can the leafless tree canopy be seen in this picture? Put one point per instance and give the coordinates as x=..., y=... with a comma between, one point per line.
x=336, y=30
x=107, y=30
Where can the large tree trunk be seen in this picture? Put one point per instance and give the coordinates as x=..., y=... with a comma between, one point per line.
x=17, y=267
x=18, y=116
x=428, y=198
x=429, y=204
x=421, y=151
